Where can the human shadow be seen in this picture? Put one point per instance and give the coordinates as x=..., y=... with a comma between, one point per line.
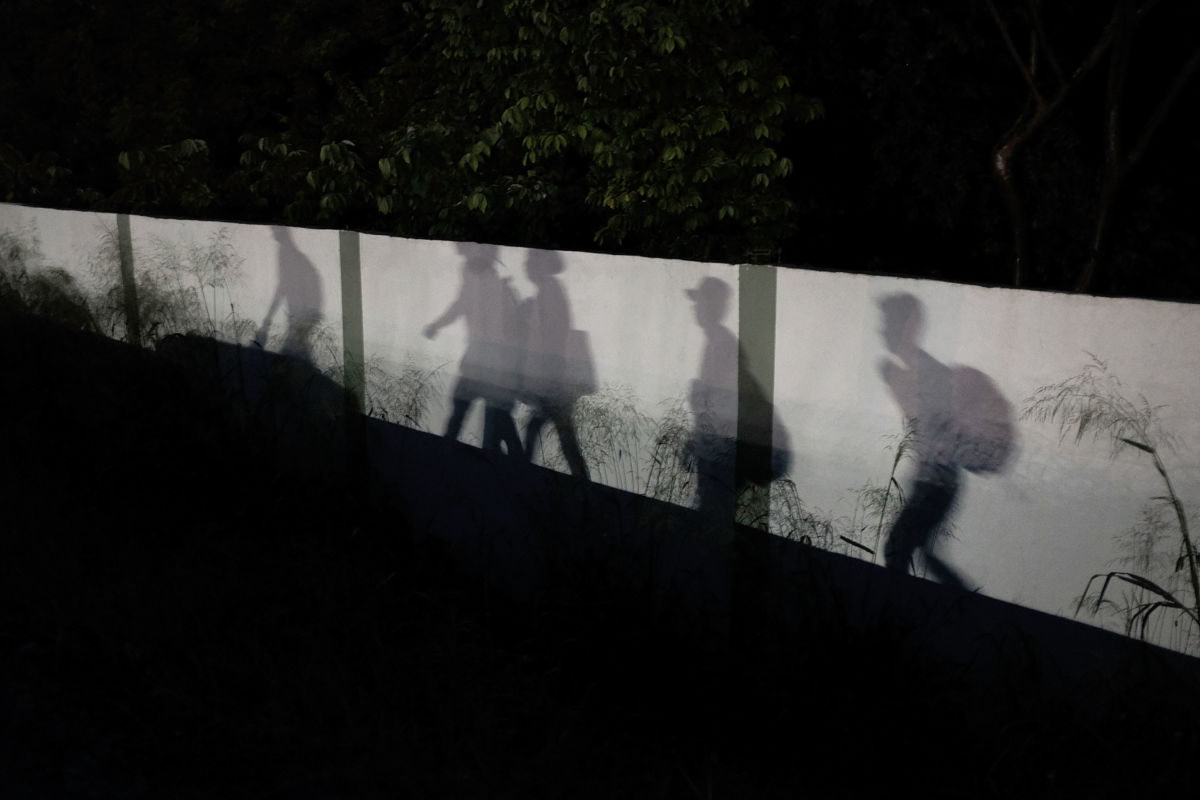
x=557, y=368
x=738, y=447
x=283, y=387
x=738, y=441
x=299, y=290
x=488, y=370
x=713, y=401
x=959, y=421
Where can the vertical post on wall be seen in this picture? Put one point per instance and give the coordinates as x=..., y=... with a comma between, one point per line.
x=352, y=320
x=756, y=388
x=754, y=456
x=133, y=317
x=353, y=359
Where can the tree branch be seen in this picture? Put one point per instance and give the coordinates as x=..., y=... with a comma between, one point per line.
x=1185, y=74
x=1035, y=14
x=1026, y=73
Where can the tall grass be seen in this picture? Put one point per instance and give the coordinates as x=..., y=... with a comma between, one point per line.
x=1093, y=402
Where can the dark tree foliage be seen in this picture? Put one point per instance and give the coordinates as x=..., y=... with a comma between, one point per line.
x=922, y=98
x=651, y=127
x=1040, y=143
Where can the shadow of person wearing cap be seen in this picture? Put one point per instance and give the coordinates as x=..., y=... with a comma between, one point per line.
x=738, y=447
x=713, y=400
x=738, y=441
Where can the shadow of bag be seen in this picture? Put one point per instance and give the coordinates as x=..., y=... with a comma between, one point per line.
x=983, y=420
x=580, y=374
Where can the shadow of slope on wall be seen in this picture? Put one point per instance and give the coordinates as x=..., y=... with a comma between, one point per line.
x=160, y=573
x=89, y=421
x=533, y=533
x=294, y=407
x=155, y=433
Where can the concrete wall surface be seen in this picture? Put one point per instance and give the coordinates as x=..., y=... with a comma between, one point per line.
x=977, y=436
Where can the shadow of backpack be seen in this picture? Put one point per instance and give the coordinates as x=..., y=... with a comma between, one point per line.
x=985, y=426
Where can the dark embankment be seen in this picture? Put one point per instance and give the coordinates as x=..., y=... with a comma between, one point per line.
x=196, y=600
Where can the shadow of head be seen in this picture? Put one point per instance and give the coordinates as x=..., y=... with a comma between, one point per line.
x=903, y=321
x=710, y=300
x=477, y=257
x=542, y=265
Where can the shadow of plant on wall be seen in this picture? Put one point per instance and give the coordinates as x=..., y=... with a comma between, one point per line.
x=182, y=288
x=1093, y=402
x=860, y=533
x=402, y=397
x=653, y=456
x=626, y=448
x=27, y=285
x=1146, y=550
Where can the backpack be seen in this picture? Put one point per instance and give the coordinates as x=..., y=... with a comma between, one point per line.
x=985, y=429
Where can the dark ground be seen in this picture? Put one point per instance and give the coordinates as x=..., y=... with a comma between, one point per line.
x=189, y=609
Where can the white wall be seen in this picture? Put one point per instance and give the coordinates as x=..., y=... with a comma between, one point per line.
x=643, y=336
x=67, y=240
x=1032, y=535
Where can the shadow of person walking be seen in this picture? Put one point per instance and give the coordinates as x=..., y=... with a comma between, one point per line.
x=735, y=454
x=960, y=421
x=738, y=440
x=557, y=368
x=713, y=401
x=299, y=290
x=488, y=370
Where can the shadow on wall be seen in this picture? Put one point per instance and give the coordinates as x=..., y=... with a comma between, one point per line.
x=557, y=364
x=28, y=287
x=299, y=290
x=298, y=409
x=527, y=356
x=526, y=351
x=284, y=393
x=488, y=305
x=814, y=598
x=528, y=532
x=739, y=443
x=960, y=421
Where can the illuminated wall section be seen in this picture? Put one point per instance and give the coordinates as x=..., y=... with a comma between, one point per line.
x=645, y=354
x=1061, y=510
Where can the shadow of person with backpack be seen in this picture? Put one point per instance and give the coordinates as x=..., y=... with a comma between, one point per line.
x=960, y=421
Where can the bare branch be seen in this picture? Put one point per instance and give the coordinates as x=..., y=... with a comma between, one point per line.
x=1035, y=13
x=1182, y=78
x=1026, y=71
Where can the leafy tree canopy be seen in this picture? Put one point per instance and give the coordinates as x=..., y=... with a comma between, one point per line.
x=652, y=126
x=1035, y=144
